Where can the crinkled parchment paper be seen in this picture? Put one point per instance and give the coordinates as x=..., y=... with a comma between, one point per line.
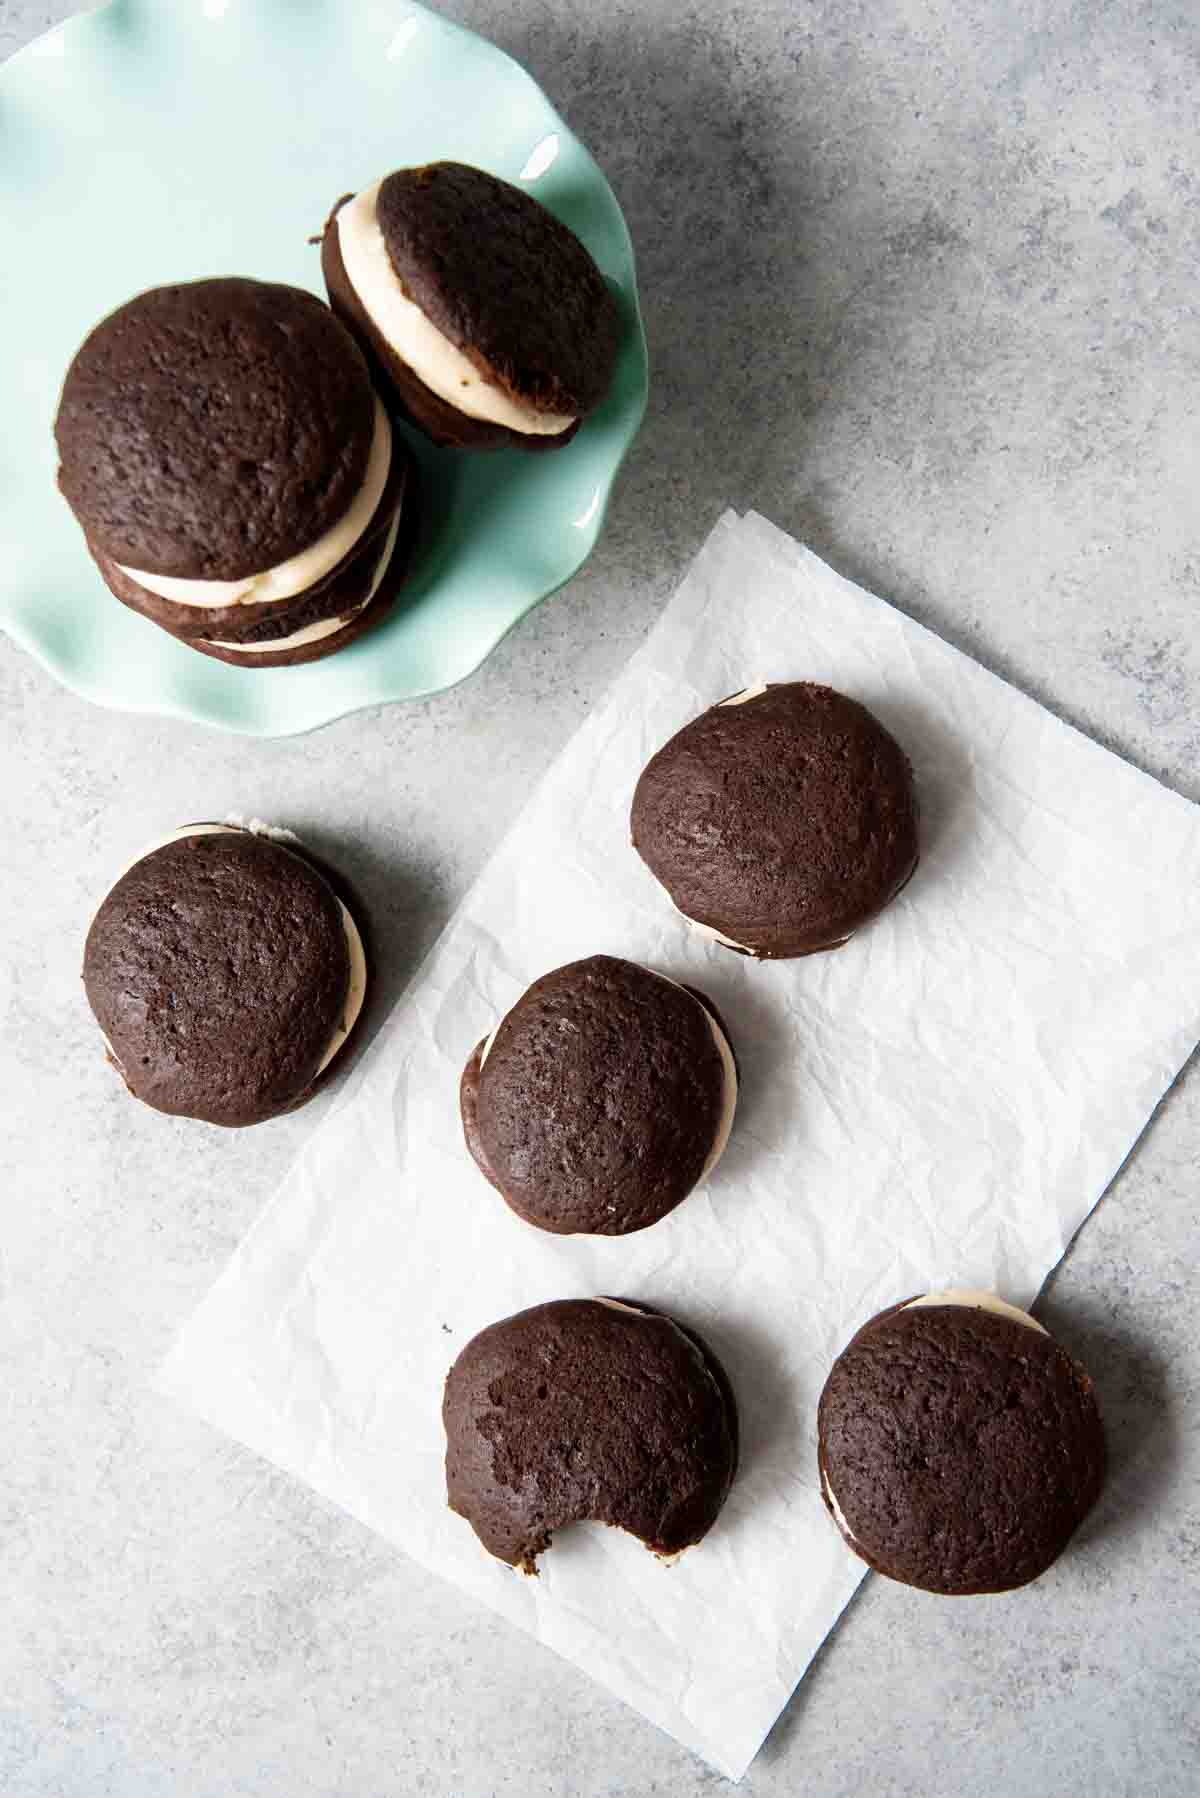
x=940, y=1103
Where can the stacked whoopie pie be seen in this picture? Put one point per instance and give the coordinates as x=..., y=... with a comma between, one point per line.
x=231, y=450
x=237, y=480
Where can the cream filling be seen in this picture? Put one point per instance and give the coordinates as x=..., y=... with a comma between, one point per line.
x=972, y=1300
x=834, y=1506
x=325, y=627
x=976, y=1301
x=746, y=694
x=301, y=571
x=356, y=991
x=729, y=1086
x=707, y=931
x=416, y=340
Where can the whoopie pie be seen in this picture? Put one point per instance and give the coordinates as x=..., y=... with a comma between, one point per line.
x=960, y=1446
x=601, y=1099
x=483, y=315
x=226, y=973
x=601, y=1409
x=779, y=821
x=236, y=478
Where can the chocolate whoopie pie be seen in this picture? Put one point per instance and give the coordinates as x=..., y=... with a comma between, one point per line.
x=604, y=1096
x=482, y=313
x=780, y=820
x=226, y=974
x=959, y=1445
x=236, y=478
x=597, y=1409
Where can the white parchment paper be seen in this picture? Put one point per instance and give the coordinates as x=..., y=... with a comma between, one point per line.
x=940, y=1103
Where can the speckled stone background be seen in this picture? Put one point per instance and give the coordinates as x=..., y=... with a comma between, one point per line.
x=921, y=285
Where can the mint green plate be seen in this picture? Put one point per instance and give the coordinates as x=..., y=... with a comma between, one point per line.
x=147, y=143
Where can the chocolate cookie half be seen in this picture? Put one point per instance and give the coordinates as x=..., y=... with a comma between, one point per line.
x=225, y=973
x=604, y=1096
x=780, y=820
x=235, y=476
x=598, y=1409
x=960, y=1447
x=481, y=312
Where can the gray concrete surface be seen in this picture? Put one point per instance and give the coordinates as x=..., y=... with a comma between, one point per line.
x=920, y=283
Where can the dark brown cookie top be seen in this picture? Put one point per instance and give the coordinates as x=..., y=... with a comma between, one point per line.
x=587, y=1408
x=600, y=1099
x=783, y=822
x=217, y=967
x=963, y=1448
x=214, y=429
x=504, y=281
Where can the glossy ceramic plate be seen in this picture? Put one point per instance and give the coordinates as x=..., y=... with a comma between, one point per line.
x=146, y=143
